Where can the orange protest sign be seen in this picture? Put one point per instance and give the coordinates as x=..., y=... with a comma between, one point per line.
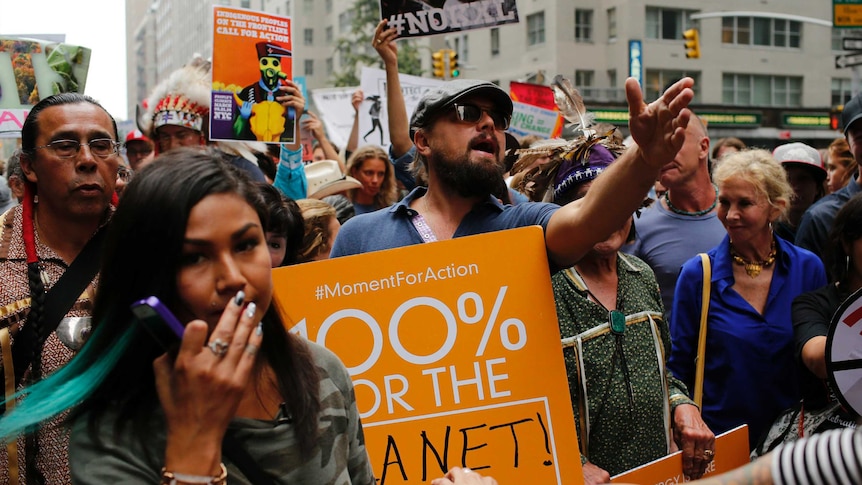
x=455, y=355
x=731, y=451
x=252, y=58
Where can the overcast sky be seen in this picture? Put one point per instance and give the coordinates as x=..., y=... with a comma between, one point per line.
x=97, y=24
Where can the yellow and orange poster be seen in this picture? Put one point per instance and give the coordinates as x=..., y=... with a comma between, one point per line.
x=454, y=353
x=252, y=56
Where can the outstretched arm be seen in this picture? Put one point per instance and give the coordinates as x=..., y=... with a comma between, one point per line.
x=396, y=109
x=353, y=141
x=315, y=126
x=658, y=130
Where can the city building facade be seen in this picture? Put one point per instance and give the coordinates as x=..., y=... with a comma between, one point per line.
x=766, y=71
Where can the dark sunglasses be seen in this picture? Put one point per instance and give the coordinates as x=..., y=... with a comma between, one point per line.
x=470, y=113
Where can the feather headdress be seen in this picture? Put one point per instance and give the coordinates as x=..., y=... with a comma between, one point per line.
x=571, y=104
x=182, y=99
x=538, y=180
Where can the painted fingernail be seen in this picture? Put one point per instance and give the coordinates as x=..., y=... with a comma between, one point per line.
x=239, y=298
x=259, y=330
x=250, y=309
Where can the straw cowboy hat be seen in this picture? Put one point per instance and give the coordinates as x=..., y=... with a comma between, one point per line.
x=325, y=178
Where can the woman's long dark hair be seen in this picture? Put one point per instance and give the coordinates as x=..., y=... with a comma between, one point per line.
x=142, y=258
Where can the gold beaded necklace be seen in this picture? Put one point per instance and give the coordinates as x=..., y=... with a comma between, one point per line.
x=753, y=268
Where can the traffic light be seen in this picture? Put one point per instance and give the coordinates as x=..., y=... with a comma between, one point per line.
x=454, y=70
x=438, y=64
x=692, y=43
x=835, y=118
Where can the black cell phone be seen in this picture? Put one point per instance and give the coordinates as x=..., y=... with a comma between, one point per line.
x=159, y=322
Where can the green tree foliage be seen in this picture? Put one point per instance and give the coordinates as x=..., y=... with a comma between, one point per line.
x=356, y=51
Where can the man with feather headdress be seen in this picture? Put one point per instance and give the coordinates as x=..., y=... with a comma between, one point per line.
x=458, y=130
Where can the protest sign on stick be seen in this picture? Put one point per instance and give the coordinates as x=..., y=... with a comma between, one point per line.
x=252, y=56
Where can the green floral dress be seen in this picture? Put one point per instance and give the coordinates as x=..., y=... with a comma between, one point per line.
x=622, y=394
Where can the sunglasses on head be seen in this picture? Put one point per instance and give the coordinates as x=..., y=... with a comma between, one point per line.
x=470, y=113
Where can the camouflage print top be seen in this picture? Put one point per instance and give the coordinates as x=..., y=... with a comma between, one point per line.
x=14, y=308
x=339, y=457
x=622, y=394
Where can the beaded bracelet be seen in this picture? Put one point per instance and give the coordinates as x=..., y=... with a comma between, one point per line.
x=172, y=478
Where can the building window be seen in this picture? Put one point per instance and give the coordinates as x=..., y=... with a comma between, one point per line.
x=612, y=24
x=245, y=4
x=344, y=21
x=761, y=32
x=536, y=28
x=656, y=80
x=583, y=25
x=308, y=6
x=328, y=6
x=329, y=35
x=495, y=41
x=841, y=91
x=329, y=69
x=309, y=67
x=584, y=81
x=308, y=36
x=837, y=36
x=612, y=78
x=761, y=90
x=667, y=23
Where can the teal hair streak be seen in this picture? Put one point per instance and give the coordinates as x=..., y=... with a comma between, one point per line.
x=64, y=389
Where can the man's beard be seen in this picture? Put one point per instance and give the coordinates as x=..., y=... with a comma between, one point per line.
x=467, y=178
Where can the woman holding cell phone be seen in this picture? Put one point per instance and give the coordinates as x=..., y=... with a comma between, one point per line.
x=238, y=395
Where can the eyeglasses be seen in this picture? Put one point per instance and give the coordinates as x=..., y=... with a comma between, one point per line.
x=125, y=173
x=100, y=147
x=470, y=113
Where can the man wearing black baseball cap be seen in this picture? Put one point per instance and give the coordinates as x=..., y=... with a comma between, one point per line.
x=813, y=231
x=458, y=130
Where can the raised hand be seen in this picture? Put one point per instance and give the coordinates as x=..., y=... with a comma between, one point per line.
x=384, y=43
x=658, y=128
x=201, y=388
x=291, y=96
x=356, y=99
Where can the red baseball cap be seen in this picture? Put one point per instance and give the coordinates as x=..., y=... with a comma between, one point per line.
x=136, y=135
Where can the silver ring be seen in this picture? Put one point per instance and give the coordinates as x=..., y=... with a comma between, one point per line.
x=218, y=347
x=251, y=349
